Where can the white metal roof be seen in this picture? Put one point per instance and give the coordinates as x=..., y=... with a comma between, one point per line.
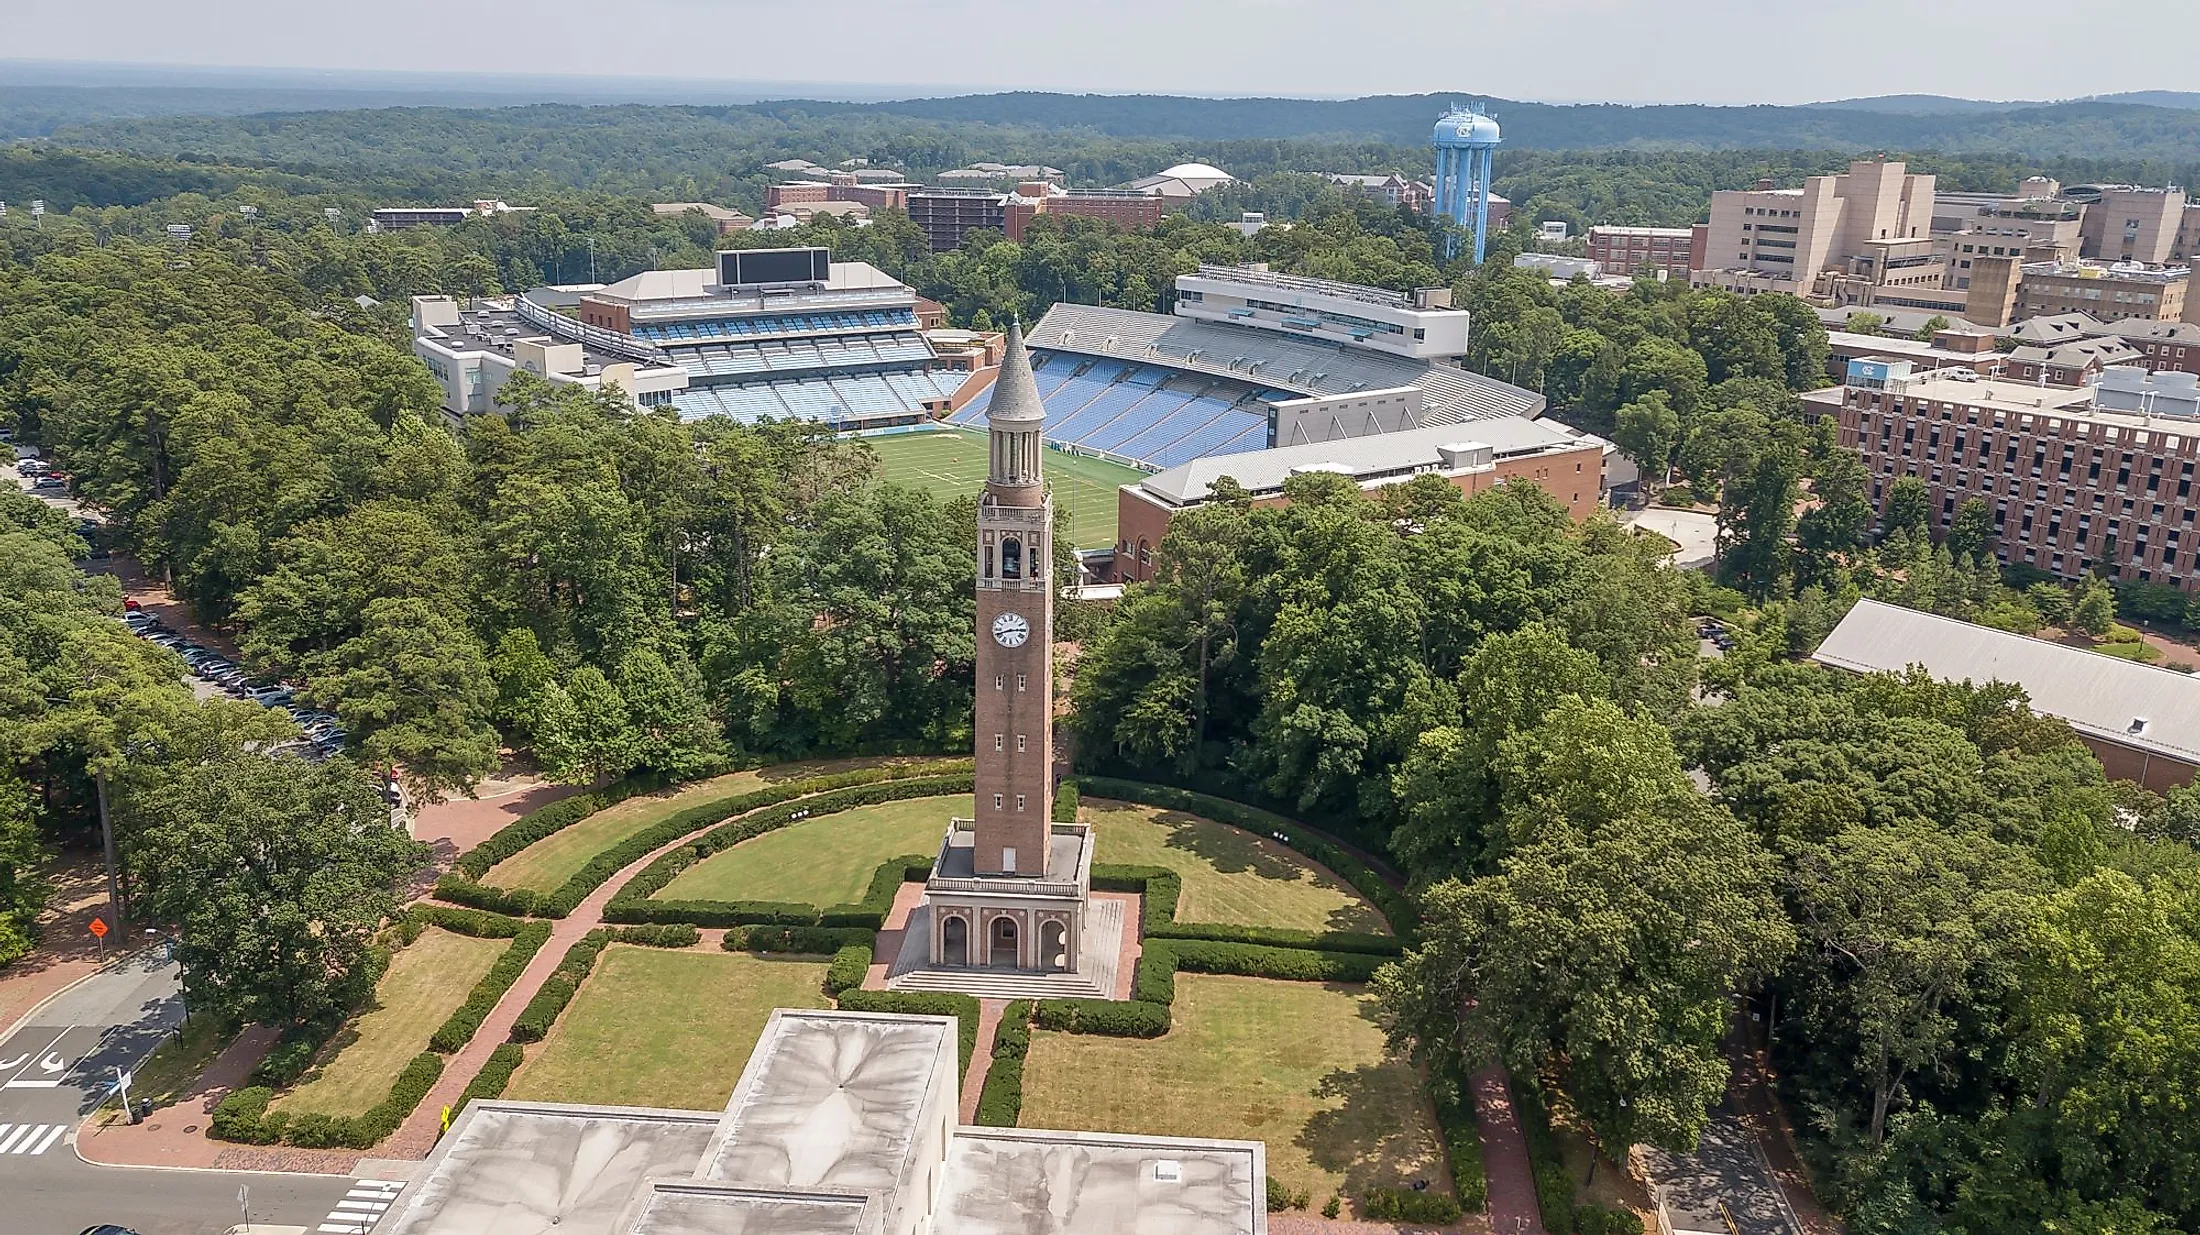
x=2099, y=696
x=1375, y=456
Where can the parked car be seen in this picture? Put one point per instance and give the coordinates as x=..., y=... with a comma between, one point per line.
x=107, y=1228
x=32, y=467
x=51, y=482
x=272, y=696
x=139, y=620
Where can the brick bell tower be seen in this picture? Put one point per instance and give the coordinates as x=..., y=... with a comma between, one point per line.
x=1015, y=656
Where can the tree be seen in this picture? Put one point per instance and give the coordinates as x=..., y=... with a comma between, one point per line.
x=1909, y=925
x=1863, y=322
x=414, y=692
x=673, y=729
x=1971, y=535
x=520, y=671
x=1610, y=941
x=2052, y=600
x=1837, y=523
x=1929, y=327
x=1647, y=432
x=1909, y=508
x=583, y=733
x=2094, y=611
x=22, y=892
x=279, y=873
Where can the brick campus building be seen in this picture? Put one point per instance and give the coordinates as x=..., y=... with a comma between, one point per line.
x=2098, y=478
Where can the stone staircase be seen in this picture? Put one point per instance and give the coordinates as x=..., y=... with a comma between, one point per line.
x=1100, y=952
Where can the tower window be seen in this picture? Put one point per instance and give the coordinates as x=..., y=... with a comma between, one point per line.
x=997, y=742
x=1012, y=558
x=1019, y=801
x=989, y=561
x=996, y=801
x=1019, y=681
x=1020, y=737
x=997, y=679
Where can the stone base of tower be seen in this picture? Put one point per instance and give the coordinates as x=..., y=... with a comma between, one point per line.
x=1036, y=935
x=1100, y=950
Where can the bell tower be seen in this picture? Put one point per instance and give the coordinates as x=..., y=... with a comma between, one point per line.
x=1015, y=651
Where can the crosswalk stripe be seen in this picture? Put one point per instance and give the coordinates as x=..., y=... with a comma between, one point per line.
x=369, y=1206
x=51, y=1136
x=9, y=1138
x=333, y=1229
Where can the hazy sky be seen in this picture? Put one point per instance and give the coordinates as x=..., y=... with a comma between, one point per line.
x=1726, y=51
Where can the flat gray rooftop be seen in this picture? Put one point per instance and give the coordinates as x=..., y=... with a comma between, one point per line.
x=529, y=1167
x=1012, y=1181
x=680, y=1207
x=957, y=858
x=833, y=1101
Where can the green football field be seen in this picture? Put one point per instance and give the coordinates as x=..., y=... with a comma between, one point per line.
x=951, y=462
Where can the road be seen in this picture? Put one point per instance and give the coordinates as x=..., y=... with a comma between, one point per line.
x=58, y=1066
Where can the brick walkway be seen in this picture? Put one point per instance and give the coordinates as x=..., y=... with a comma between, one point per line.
x=1310, y=1222
x=981, y=1056
x=1513, y=1209
x=66, y=951
x=165, y=1145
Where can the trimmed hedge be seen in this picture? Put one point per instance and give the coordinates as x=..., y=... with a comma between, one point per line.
x=243, y=1115
x=1066, y=801
x=923, y=1003
x=558, y=989
x=1001, y=1099
x=556, y=817
x=1462, y=1139
x=527, y=939
x=1163, y=888
x=1554, y=1186
x=632, y=902
x=463, y=887
x=658, y=936
x=1136, y=1018
x=807, y=940
x=1406, y=1205
x=1283, y=964
x=494, y=1075
x=850, y=966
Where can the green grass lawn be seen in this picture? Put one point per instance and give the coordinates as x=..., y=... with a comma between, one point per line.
x=1230, y=875
x=826, y=860
x=426, y=982
x=653, y=1027
x=952, y=462
x=1298, y=1065
x=545, y=865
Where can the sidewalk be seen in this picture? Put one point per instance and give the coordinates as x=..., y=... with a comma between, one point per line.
x=1513, y=1209
x=66, y=950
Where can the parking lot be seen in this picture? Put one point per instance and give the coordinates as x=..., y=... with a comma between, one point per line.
x=212, y=665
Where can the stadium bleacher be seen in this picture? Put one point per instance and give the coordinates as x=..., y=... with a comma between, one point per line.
x=1144, y=414
x=776, y=324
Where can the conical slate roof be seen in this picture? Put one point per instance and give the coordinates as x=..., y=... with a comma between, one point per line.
x=1015, y=391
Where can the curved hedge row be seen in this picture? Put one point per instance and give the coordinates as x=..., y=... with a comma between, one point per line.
x=1396, y=909
x=1462, y=1139
x=556, y=817
x=454, y=1033
x=632, y=902
x=462, y=886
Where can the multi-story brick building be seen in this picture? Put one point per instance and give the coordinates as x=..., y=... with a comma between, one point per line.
x=2098, y=478
x=945, y=215
x=1624, y=250
x=2125, y=289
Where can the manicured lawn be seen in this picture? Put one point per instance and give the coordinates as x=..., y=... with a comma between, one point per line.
x=1298, y=1065
x=426, y=982
x=545, y=865
x=653, y=1027
x=1230, y=875
x=952, y=462
x=826, y=860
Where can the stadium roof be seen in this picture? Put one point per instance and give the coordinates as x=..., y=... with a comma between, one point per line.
x=1276, y=361
x=1377, y=456
x=2119, y=701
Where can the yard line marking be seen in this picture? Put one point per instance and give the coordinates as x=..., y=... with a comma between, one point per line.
x=46, y=1144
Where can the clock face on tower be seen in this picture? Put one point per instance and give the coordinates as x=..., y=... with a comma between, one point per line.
x=1010, y=630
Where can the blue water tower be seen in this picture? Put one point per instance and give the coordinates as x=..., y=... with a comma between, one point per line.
x=1465, y=139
